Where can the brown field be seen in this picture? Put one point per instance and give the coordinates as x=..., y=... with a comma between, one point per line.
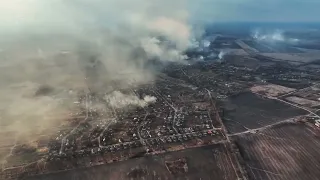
x=286, y=152
x=271, y=90
x=303, y=102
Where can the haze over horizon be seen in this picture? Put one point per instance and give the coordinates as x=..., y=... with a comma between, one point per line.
x=256, y=10
x=15, y=14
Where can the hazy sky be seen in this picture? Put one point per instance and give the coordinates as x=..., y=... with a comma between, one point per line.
x=17, y=13
x=257, y=10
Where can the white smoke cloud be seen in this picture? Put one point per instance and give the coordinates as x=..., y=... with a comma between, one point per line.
x=221, y=54
x=118, y=100
x=156, y=49
x=206, y=43
x=272, y=36
x=80, y=46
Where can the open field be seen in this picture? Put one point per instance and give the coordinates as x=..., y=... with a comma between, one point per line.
x=260, y=47
x=302, y=101
x=271, y=90
x=285, y=152
x=249, y=111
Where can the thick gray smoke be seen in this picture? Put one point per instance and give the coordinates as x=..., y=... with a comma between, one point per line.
x=55, y=50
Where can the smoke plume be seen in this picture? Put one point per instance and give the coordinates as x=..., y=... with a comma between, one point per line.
x=221, y=54
x=54, y=51
x=272, y=36
x=119, y=100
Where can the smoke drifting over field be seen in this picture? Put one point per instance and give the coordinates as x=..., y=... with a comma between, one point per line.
x=54, y=50
x=272, y=36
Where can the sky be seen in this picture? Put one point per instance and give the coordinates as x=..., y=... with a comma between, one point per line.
x=256, y=10
x=17, y=13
